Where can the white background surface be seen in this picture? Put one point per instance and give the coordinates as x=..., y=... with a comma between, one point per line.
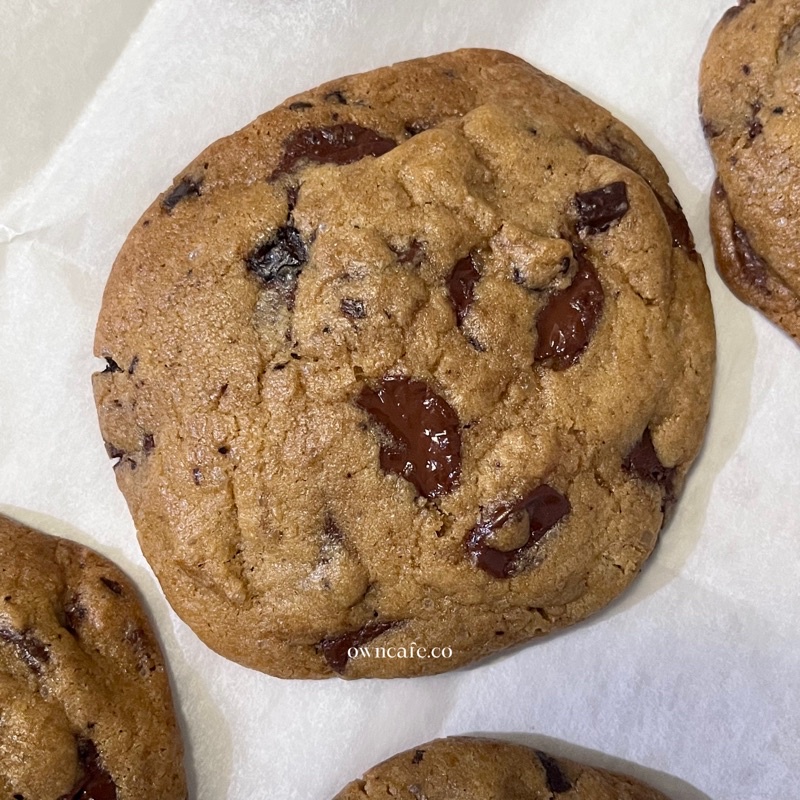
x=692, y=680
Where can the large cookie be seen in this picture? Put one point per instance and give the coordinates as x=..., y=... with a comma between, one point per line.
x=421, y=356
x=85, y=706
x=751, y=117
x=482, y=769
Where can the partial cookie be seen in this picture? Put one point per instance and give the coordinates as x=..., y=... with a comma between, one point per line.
x=751, y=117
x=85, y=706
x=420, y=357
x=483, y=769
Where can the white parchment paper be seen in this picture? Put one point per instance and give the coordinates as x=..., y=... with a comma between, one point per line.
x=691, y=680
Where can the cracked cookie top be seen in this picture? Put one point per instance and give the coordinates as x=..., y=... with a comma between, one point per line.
x=486, y=769
x=85, y=706
x=751, y=118
x=420, y=356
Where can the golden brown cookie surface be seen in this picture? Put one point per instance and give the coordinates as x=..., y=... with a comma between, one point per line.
x=85, y=706
x=483, y=769
x=419, y=357
x=751, y=119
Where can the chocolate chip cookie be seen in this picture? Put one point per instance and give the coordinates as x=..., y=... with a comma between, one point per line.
x=751, y=118
x=483, y=769
x=85, y=707
x=415, y=363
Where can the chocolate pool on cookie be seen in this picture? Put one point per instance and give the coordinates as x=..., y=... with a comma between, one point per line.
x=414, y=363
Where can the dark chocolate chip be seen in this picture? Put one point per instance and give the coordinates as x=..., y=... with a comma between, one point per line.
x=754, y=126
x=600, y=208
x=112, y=366
x=353, y=308
x=753, y=267
x=188, y=187
x=335, y=649
x=300, y=105
x=111, y=585
x=424, y=431
x=418, y=756
x=340, y=144
x=95, y=783
x=336, y=97
x=746, y=69
x=777, y=110
x=74, y=614
x=148, y=442
x=461, y=284
x=544, y=507
x=710, y=130
x=32, y=652
x=134, y=364
x=412, y=254
x=643, y=462
x=113, y=451
x=556, y=780
x=278, y=262
x=678, y=226
x=566, y=324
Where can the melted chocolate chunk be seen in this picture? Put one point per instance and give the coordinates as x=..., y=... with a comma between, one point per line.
x=425, y=446
x=418, y=756
x=412, y=254
x=74, y=615
x=566, y=324
x=643, y=462
x=600, y=208
x=112, y=366
x=353, y=308
x=113, y=451
x=678, y=226
x=335, y=650
x=754, y=126
x=461, y=284
x=710, y=131
x=33, y=653
x=754, y=268
x=556, y=780
x=340, y=144
x=544, y=507
x=96, y=783
x=188, y=187
x=148, y=442
x=112, y=586
x=279, y=262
